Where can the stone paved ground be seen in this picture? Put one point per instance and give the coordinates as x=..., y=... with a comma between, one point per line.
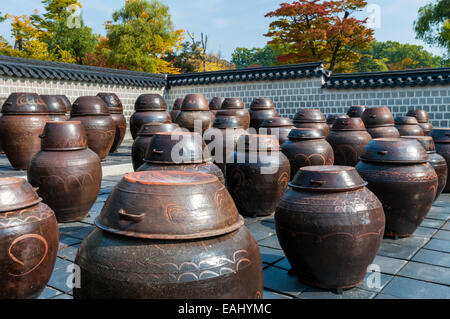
x=414, y=267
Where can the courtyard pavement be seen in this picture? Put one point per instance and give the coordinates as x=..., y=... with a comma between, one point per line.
x=410, y=268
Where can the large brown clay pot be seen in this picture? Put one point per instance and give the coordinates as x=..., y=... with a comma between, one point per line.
x=67, y=173
x=257, y=174
x=311, y=118
x=261, y=109
x=171, y=235
x=100, y=129
x=66, y=102
x=278, y=126
x=222, y=138
x=28, y=240
x=408, y=126
x=348, y=138
x=307, y=147
x=115, y=108
x=23, y=120
x=143, y=140
x=56, y=107
x=356, y=110
x=235, y=107
x=148, y=108
x=437, y=161
x=195, y=110
x=332, y=118
x=379, y=122
x=423, y=119
x=441, y=138
x=176, y=108
x=328, y=240
x=398, y=172
x=215, y=104
x=179, y=151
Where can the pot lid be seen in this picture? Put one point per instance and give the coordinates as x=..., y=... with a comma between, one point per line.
x=262, y=103
x=227, y=122
x=349, y=124
x=150, y=129
x=169, y=205
x=394, y=150
x=277, y=122
x=356, y=110
x=89, y=105
x=232, y=103
x=305, y=134
x=150, y=102
x=309, y=116
x=258, y=142
x=177, y=148
x=216, y=103
x=332, y=117
x=420, y=115
x=440, y=135
x=195, y=102
x=426, y=141
x=406, y=120
x=16, y=193
x=64, y=136
x=327, y=178
x=112, y=101
x=177, y=104
x=55, y=104
x=378, y=116
x=24, y=103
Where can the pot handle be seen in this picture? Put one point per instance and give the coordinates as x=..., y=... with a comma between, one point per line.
x=158, y=152
x=133, y=218
x=318, y=183
x=372, y=116
x=382, y=152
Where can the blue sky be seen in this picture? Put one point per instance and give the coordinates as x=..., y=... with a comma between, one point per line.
x=234, y=23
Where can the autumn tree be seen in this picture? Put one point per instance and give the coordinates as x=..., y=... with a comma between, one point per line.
x=313, y=30
x=140, y=37
x=244, y=58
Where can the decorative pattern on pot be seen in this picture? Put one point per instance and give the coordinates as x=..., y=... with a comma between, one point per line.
x=307, y=147
x=66, y=172
x=28, y=240
x=311, y=118
x=257, y=174
x=148, y=108
x=379, y=122
x=56, y=107
x=23, y=120
x=115, y=108
x=172, y=235
x=329, y=215
x=398, y=172
x=441, y=138
x=261, y=109
x=195, y=109
x=348, y=138
x=423, y=119
x=277, y=126
x=408, y=126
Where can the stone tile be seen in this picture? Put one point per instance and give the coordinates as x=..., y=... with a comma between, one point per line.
x=425, y=272
x=79, y=232
x=415, y=289
x=273, y=295
x=433, y=257
x=270, y=255
x=271, y=242
x=66, y=241
x=250, y=220
x=62, y=263
x=369, y=283
x=441, y=213
x=261, y=231
x=69, y=253
x=403, y=248
x=424, y=232
x=432, y=223
x=279, y=280
x=439, y=244
x=389, y=265
x=49, y=293
x=354, y=293
x=447, y=226
x=59, y=280
x=63, y=296
x=385, y=296
x=94, y=212
x=284, y=263
x=442, y=234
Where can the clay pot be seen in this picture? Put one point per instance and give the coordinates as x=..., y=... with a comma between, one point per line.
x=115, y=108
x=235, y=107
x=56, y=107
x=398, y=172
x=383, y=132
x=176, y=109
x=257, y=174
x=144, y=137
x=441, y=138
x=67, y=173
x=408, y=126
x=190, y=154
x=215, y=104
x=100, y=129
x=67, y=104
x=307, y=147
x=148, y=108
x=379, y=122
x=332, y=118
x=278, y=126
x=437, y=161
x=348, y=138
x=155, y=228
x=195, y=108
x=423, y=119
x=227, y=130
x=311, y=118
x=328, y=240
x=261, y=109
x=28, y=240
x=23, y=120
x=356, y=110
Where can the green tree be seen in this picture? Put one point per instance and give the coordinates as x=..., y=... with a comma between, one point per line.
x=244, y=58
x=367, y=63
x=433, y=24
